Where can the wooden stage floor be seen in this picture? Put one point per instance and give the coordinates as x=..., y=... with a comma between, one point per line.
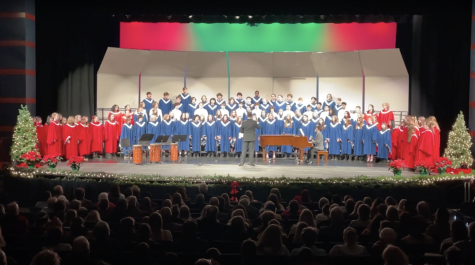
x=193, y=167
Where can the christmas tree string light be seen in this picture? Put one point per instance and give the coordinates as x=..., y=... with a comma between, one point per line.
x=24, y=135
x=459, y=143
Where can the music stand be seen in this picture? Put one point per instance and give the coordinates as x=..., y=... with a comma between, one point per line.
x=145, y=140
x=177, y=139
x=162, y=139
x=125, y=143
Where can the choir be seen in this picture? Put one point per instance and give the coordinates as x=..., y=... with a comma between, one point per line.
x=212, y=128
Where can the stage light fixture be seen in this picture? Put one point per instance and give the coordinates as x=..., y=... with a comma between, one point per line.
x=237, y=17
x=250, y=16
x=190, y=16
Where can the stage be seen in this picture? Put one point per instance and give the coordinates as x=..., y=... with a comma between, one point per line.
x=209, y=166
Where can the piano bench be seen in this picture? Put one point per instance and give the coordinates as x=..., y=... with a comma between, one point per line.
x=323, y=153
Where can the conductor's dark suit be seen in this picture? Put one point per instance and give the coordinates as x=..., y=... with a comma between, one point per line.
x=248, y=128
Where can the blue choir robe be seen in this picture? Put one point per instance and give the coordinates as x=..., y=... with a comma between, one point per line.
x=292, y=105
x=192, y=108
x=144, y=116
x=330, y=103
x=153, y=127
x=238, y=144
x=319, y=111
x=272, y=102
x=233, y=119
x=182, y=128
x=224, y=130
x=261, y=119
x=337, y=108
x=212, y=109
x=301, y=107
x=279, y=105
x=314, y=121
x=270, y=128
x=165, y=105
x=127, y=132
x=358, y=148
x=384, y=142
x=196, y=133
x=313, y=106
x=219, y=102
x=231, y=107
x=209, y=130
x=325, y=136
x=346, y=139
x=148, y=104
x=370, y=135
x=334, y=133
x=182, y=108
x=297, y=120
x=185, y=101
x=280, y=123
x=237, y=100
x=265, y=107
x=258, y=134
x=288, y=131
x=306, y=129
x=256, y=100
x=140, y=128
x=328, y=120
x=167, y=129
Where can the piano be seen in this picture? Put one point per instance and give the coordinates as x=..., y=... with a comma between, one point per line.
x=300, y=142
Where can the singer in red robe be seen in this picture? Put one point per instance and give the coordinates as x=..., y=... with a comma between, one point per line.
x=84, y=137
x=117, y=117
x=402, y=142
x=411, y=148
x=42, y=134
x=70, y=138
x=386, y=115
x=53, y=139
x=426, y=146
x=436, y=149
x=97, y=135
x=111, y=135
x=395, y=143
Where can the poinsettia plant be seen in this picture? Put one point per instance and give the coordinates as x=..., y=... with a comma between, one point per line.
x=75, y=162
x=22, y=165
x=442, y=163
x=396, y=165
x=423, y=166
x=31, y=159
x=52, y=160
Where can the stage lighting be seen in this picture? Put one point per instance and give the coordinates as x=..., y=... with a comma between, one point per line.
x=169, y=17
x=250, y=16
x=237, y=17
x=190, y=16
x=322, y=17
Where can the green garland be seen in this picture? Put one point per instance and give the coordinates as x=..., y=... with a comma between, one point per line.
x=121, y=179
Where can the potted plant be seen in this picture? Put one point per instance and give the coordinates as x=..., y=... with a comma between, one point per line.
x=442, y=163
x=75, y=162
x=423, y=167
x=32, y=159
x=397, y=166
x=52, y=160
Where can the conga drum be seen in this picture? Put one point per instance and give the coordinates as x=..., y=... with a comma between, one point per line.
x=137, y=154
x=174, y=152
x=155, y=150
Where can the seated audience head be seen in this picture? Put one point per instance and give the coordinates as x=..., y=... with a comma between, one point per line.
x=167, y=203
x=305, y=194
x=249, y=194
x=92, y=217
x=132, y=201
x=401, y=205
x=390, y=201
x=367, y=201
x=212, y=253
x=75, y=205
x=392, y=214
x=155, y=221
x=200, y=199
x=307, y=217
x=248, y=248
x=382, y=208
x=135, y=190
x=101, y=231
x=388, y=236
x=144, y=232
x=79, y=193
x=306, y=256
x=442, y=216
x=190, y=228
x=127, y=225
x=294, y=206
x=57, y=190
x=336, y=214
x=81, y=245
x=203, y=188
x=326, y=210
x=423, y=209
x=122, y=205
x=12, y=209
x=309, y=236
x=459, y=231
x=214, y=201
x=276, y=191
x=364, y=212
x=244, y=202
x=103, y=196
x=322, y=202
x=182, y=191
x=350, y=236
x=185, y=212
x=394, y=256
x=177, y=199
x=143, y=249
x=271, y=239
x=46, y=257
x=454, y=256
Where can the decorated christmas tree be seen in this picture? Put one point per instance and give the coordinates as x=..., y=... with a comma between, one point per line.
x=24, y=135
x=458, y=145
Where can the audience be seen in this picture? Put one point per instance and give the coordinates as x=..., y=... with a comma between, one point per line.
x=350, y=246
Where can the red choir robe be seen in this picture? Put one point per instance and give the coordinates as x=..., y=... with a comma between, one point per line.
x=111, y=136
x=402, y=143
x=53, y=139
x=70, y=140
x=368, y=115
x=436, y=149
x=410, y=151
x=63, y=147
x=124, y=118
x=395, y=143
x=118, y=119
x=426, y=146
x=386, y=116
x=42, y=134
x=417, y=130
x=96, y=132
x=84, y=139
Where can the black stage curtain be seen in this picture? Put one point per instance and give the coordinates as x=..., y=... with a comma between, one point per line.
x=69, y=52
x=436, y=51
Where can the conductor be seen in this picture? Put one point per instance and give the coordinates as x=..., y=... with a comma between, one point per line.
x=317, y=144
x=248, y=132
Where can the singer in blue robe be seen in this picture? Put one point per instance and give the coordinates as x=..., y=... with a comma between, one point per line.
x=127, y=132
x=153, y=127
x=238, y=144
x=270, y=128
x=212, y=108
x=280, y=105
x=334, y=135
x=265, y=107
x=306, y=128
x=346, y=139
x=185, y=101
x=224, y=130
x=328, y=120
x=165, y=105
x=191, y=108
x=301, y=107
x=166, y=129
x=280, y=124
x=258, y=134
x=144, y=116
x=182, y=127
x=148, y=104
x=231, y=107
x=140, y=128
x=209, y=130
x=384, y=142
x=289, y=129
x=195, y=133
x=330, y=103
x=313, y=106
x=358, y=141
x=262, y=119
x=370, y=136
